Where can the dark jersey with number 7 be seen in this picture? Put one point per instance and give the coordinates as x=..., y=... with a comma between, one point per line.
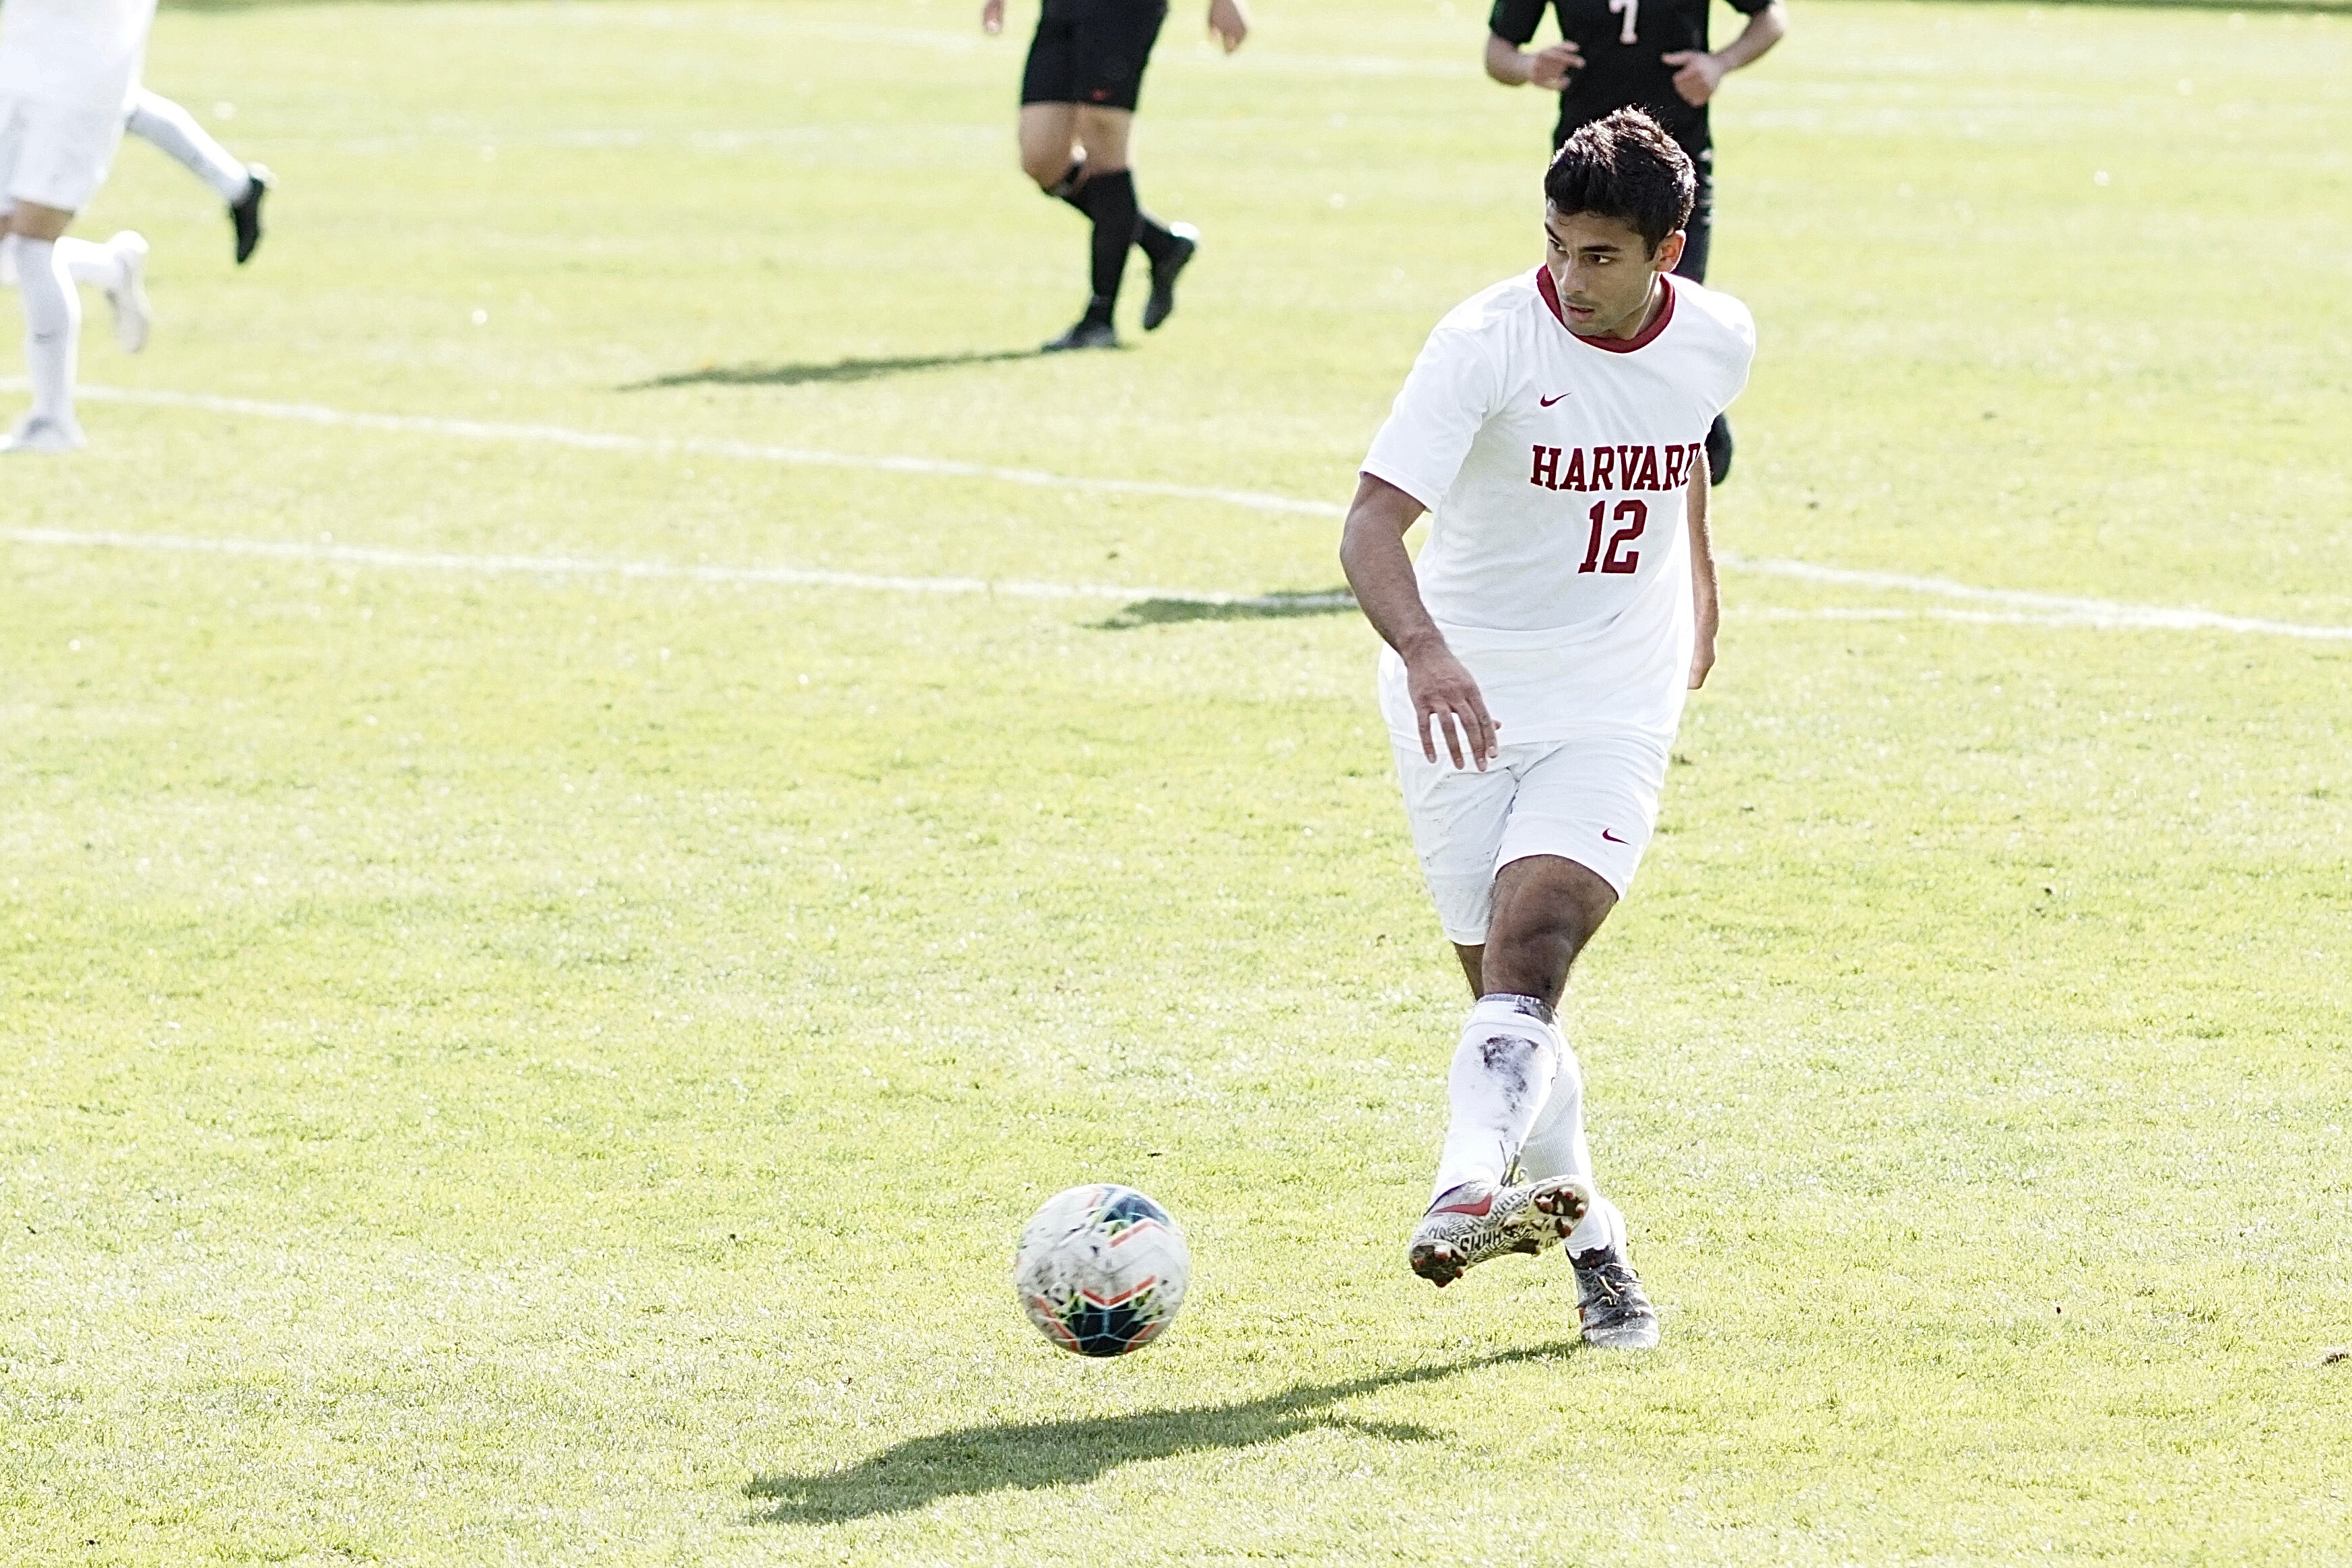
x=1621, y=41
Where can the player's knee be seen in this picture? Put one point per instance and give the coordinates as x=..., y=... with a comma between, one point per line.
x=1046, y=169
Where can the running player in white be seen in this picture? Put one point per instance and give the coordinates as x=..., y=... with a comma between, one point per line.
x=66, y=68
x=172, y=130
x=1555, y=427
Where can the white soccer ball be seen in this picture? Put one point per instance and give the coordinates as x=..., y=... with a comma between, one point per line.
x=1101, y=1269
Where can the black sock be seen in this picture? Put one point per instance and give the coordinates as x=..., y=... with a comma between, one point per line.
x=1111, y=202
x=1153, y=236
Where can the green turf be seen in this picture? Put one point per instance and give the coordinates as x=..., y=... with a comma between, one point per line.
x=504, y=1069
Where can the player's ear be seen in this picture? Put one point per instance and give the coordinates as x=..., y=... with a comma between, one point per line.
x=1669, y=254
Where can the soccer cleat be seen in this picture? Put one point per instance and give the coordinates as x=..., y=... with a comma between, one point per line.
x=132, y=317
x=246, y=210
x=1478, y=1221
x=1087, y=334
x=1163, y=275
x=39, y=433
x=1615, y=1309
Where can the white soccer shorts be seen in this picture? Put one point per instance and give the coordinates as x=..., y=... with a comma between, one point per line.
x=55, y=155
x=1593, y=800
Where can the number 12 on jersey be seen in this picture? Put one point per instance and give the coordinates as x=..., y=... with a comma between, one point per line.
x=1635, y=516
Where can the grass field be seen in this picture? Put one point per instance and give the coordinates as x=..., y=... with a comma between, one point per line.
x=547, y=1066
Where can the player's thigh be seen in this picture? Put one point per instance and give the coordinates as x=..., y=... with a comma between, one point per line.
x=1105, y=133
x=1593, y=800
x=1457, y=817
x=1048, y=132
x=1698, y=233
x=59, y=160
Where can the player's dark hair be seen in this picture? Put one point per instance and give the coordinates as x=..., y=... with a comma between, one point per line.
x=1624, y=166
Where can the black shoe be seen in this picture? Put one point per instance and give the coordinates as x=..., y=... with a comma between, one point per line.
x=1162, y=303
x=1610, y=1299
x=246, y=210
x=1088, y=334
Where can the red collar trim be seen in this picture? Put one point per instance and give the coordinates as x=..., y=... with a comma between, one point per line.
x=1648, y=334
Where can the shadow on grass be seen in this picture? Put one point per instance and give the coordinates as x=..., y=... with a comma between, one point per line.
x=839, y=370
x=1026, y=1454
x=1265, y=607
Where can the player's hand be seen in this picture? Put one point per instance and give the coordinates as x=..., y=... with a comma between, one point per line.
x=1229, y=19
x=1551, y=68
x=1696, y=74
x=1443, y=689
x=992, y=16
x=1703, y=643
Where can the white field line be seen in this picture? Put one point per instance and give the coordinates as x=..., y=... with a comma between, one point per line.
x=2045, y=609
x=2051, y=610
x=657, y=446
x=331, y=555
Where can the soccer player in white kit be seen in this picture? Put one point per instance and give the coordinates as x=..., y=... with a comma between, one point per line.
x=1555, y=429
x=66, y=69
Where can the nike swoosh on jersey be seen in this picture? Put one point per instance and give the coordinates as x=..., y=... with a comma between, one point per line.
x=1611, y=836
x=1548, y=402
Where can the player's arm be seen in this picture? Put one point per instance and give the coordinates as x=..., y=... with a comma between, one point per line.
x=1230, y=20
x=1706, y=603
x=1372, y=553
x=1698, y=74
x=1547, y=67
x=1509, y=28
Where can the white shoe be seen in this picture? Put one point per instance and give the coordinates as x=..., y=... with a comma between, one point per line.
x=132, y=316
x=1478, y=1221
x=39, y=433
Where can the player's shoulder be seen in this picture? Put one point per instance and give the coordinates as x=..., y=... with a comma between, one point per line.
x=1496, y=310
x=1714, y=313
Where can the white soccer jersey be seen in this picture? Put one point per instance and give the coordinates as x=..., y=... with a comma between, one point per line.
x=1554, y=469
x=80, y=53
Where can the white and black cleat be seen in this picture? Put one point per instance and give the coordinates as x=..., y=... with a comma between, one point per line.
x=1615, y=1309
x=1478, y=1221
x=1162, y=303
x=39, y=433
x=245, y=212
x=133, y=318
x=1088, y=334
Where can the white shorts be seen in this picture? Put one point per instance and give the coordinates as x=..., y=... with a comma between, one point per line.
x=1593, y=800
x=55, y=155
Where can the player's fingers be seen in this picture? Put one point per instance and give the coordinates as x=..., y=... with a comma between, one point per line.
x=1679, y=57
x=1452, y=723
x=1486, y=728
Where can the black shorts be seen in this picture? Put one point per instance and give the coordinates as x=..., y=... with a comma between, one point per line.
x=1092, y=51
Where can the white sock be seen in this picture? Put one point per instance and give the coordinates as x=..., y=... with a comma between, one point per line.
x=1555, y=1146
x=99, y=266
x=1502, y=1074
x=156, y=119
x=52, y=325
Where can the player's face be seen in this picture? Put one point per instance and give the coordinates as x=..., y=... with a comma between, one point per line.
x=1604, y=273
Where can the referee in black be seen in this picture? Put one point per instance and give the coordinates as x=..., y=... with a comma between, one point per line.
x=1078, y=109
x=1639, y=54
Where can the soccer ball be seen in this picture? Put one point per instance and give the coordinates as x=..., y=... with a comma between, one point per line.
x=1101, y=1269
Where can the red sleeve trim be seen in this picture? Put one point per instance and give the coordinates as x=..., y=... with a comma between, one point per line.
x=1648, y=334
